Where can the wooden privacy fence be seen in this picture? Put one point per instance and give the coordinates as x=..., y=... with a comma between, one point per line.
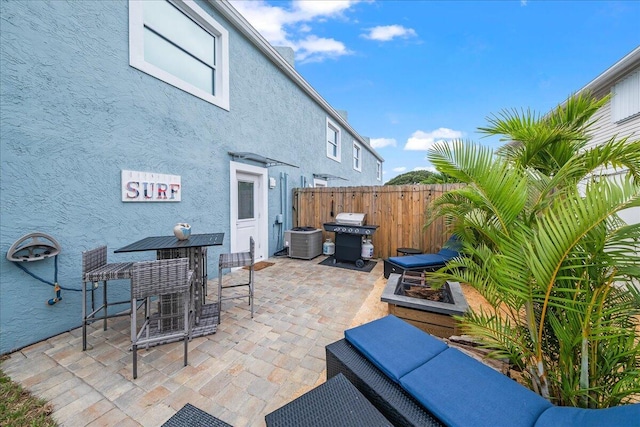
x=400, y=211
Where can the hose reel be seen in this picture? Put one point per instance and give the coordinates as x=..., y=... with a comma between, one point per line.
x=33, y=247
x=37, y=247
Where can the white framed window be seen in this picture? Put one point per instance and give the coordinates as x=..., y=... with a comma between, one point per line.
x=357, y=156
x=333, y=141
x=625, y=99
x=319, y=182
x=177, y=42
x=378, y=170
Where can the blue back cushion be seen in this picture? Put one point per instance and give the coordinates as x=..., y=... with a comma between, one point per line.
x=463, y=392
x=448, y=254
x=620, y=416
x=454, y=244
x=393, y=345
x=424, y=260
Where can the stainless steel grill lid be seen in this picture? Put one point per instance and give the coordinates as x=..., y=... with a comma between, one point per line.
x=351, y=218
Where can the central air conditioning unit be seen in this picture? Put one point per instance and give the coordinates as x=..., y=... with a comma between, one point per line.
x=303, y=242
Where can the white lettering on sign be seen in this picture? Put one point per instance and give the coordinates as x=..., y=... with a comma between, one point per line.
x=150, y=187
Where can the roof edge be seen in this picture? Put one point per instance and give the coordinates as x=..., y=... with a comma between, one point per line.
x=231, y=14
x=613, y=73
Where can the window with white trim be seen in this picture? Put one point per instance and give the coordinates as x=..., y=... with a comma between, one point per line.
x=177, y=42
x=357, y=156
x=625, y=100
x=378, y=170
x=333, y=140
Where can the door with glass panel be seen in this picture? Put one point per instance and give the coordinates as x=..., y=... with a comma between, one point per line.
x=248, y=194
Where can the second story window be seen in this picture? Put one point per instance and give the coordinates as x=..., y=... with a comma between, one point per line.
x=333, y=141
x=357, y=156
x=625, y=102
x=378, y=170
x=180, y=44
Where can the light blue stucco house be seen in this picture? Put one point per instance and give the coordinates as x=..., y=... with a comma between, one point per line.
x=102, y=100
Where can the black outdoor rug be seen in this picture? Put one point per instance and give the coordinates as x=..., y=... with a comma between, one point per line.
x=330, y=261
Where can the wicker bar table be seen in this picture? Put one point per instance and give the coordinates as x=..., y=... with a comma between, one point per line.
x=194, y=248
x=334, y=403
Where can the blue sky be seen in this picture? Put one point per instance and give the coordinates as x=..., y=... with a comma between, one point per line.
x=411, y=72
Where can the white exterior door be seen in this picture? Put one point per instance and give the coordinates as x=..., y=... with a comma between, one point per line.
x=249, y=208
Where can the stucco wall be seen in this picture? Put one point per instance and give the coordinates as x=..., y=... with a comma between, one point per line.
x=74, y=114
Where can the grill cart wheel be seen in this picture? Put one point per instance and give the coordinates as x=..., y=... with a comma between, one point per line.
x=359, y=263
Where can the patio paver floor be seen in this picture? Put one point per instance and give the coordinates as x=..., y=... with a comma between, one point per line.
x=249, y=368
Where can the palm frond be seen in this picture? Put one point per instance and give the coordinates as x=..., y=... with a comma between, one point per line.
x=545, y=244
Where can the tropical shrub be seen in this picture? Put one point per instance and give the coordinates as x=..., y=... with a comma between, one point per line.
x=421, y=177
x=545, y=245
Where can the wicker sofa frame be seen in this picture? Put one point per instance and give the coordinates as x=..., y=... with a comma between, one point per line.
x=388, y=397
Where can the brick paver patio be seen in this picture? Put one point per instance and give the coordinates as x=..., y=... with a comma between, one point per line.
x=244, y=371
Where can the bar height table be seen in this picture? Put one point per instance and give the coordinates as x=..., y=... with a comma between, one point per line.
x=194, y=248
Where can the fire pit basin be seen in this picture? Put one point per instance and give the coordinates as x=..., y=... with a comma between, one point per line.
x=431, y=313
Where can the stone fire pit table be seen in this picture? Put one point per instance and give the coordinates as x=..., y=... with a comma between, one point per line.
x=434, y=317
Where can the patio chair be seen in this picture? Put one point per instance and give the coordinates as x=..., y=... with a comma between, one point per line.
x=95, y=269
x=232, y=260
x=423, y=262
x=168, y=317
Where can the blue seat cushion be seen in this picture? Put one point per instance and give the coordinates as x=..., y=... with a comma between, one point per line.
x=463, y=392
x=625, y=415
x=423, y=260
x=393, y=345
x=446, y=254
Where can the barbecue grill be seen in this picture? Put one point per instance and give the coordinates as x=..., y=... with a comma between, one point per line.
x=349, y=228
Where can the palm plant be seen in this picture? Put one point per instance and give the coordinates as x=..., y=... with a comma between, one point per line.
x=546, y=247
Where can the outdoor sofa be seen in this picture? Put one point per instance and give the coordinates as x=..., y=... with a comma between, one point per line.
x=415, y=379
x=422, y=262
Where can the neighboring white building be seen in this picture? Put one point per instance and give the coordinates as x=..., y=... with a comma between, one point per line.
x=621, y=115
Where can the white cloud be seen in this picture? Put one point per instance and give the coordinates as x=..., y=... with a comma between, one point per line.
x=385, y=33
x=281, y=26
x=422, y=141
x=314, y=8
x=383, y=142
x=400, y=169
x=268, y=20
x=315, y=49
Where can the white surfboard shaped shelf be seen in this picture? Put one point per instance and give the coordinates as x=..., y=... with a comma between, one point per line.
x=33, y=247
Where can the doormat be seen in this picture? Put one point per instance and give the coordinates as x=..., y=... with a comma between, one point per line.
x=260, y=265
x=331, y=262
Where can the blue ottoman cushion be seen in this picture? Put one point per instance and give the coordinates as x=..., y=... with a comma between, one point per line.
x=393, y=345
x=463, y=392
x=622, y=416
